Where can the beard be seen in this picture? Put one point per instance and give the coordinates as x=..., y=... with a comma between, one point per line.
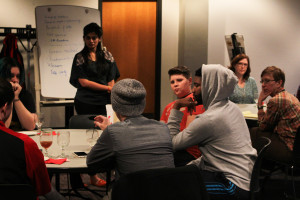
x=198, y=98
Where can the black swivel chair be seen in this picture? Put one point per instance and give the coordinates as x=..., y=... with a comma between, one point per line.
x=17, y=191
x=261, y=145
x=81, y=122
x=290, y=169
x=161, y=184
x=84, y=122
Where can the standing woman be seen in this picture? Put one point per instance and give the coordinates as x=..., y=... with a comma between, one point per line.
x=245, y=92
x=94, y=72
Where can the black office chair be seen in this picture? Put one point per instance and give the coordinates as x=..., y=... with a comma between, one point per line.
x=161, y=184
x=290, y=169
x=84, y=122
x=17, y=191
x=261, y=145
x=81, y=122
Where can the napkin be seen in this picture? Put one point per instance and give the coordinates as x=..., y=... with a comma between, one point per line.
x=58, y=161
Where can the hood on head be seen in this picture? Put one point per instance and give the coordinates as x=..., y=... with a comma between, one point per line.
x=218, y=84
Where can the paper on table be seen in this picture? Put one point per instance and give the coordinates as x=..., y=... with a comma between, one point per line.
x=111, y=115
x=249, y=114
x=29, y=133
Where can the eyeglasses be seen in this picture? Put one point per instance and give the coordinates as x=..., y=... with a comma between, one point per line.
x=88, y=37
x=266, y=81
x=242, y=64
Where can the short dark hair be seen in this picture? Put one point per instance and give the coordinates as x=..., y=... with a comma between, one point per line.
x=6, y=92
x=180, y=70
x=198, y=72
x=93, y=28
x=276, y=72
x=237, y=59
x=6, y=63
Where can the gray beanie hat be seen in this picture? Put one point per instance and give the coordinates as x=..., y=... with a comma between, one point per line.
x=128, y=97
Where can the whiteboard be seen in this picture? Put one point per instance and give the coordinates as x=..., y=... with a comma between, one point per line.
x=60, y=36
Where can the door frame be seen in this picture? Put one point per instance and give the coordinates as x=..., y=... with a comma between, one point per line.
x=157, y=50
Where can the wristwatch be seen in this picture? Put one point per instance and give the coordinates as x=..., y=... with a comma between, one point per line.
x=260, y=107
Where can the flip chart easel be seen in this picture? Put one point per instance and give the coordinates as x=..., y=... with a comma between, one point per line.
x=59, y=30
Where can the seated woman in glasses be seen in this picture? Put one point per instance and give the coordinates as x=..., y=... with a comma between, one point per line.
x=245, y=92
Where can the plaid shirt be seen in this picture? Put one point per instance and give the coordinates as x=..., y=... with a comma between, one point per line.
x=282, y=117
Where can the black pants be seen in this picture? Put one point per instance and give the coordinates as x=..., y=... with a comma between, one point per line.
x=277, y=150
x=89, y=109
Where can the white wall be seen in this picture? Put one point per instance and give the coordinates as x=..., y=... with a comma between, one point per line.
x=19, y=13
x=184, y=39
x=271, y=30
x=169, y=49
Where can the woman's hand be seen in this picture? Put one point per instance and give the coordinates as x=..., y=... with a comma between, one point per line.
x=109, y=89
x=16, y=88
x=101, y=121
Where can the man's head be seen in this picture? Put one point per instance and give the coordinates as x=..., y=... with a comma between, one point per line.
x=272, y=79
x=11, y=70
x=180, y=81
x=128, y=97
x=6, y=99
x=197, y=86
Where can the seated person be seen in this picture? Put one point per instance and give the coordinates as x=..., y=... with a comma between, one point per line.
x=220, y=132
x=135, y=143
x=23, y=115
x=181, y=81
x=281, y=119
x=22, y=161
x=245, y=92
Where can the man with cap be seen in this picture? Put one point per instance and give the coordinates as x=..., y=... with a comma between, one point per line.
x=135, y=143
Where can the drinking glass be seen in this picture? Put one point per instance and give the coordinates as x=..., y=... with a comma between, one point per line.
x=40, y=120
x=92, y=136
x=63, y=140
x=46, y=139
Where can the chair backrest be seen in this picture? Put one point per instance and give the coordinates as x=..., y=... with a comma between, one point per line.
x=17, y=191
x=161, y=184
x=296, y=150
x=81, y=122
x=261, y=145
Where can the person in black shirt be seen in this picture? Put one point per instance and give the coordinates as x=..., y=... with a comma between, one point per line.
x=23, y=115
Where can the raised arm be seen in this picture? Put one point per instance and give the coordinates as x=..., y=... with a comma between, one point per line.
x=26, y=118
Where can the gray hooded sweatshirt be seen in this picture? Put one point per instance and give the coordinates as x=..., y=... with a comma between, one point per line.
x=221, y=131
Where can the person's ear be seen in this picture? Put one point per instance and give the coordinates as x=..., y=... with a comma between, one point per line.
x=190, y=81
x=279, y=83
x=2, y=111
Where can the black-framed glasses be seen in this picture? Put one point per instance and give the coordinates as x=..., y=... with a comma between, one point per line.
x=266, y=81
